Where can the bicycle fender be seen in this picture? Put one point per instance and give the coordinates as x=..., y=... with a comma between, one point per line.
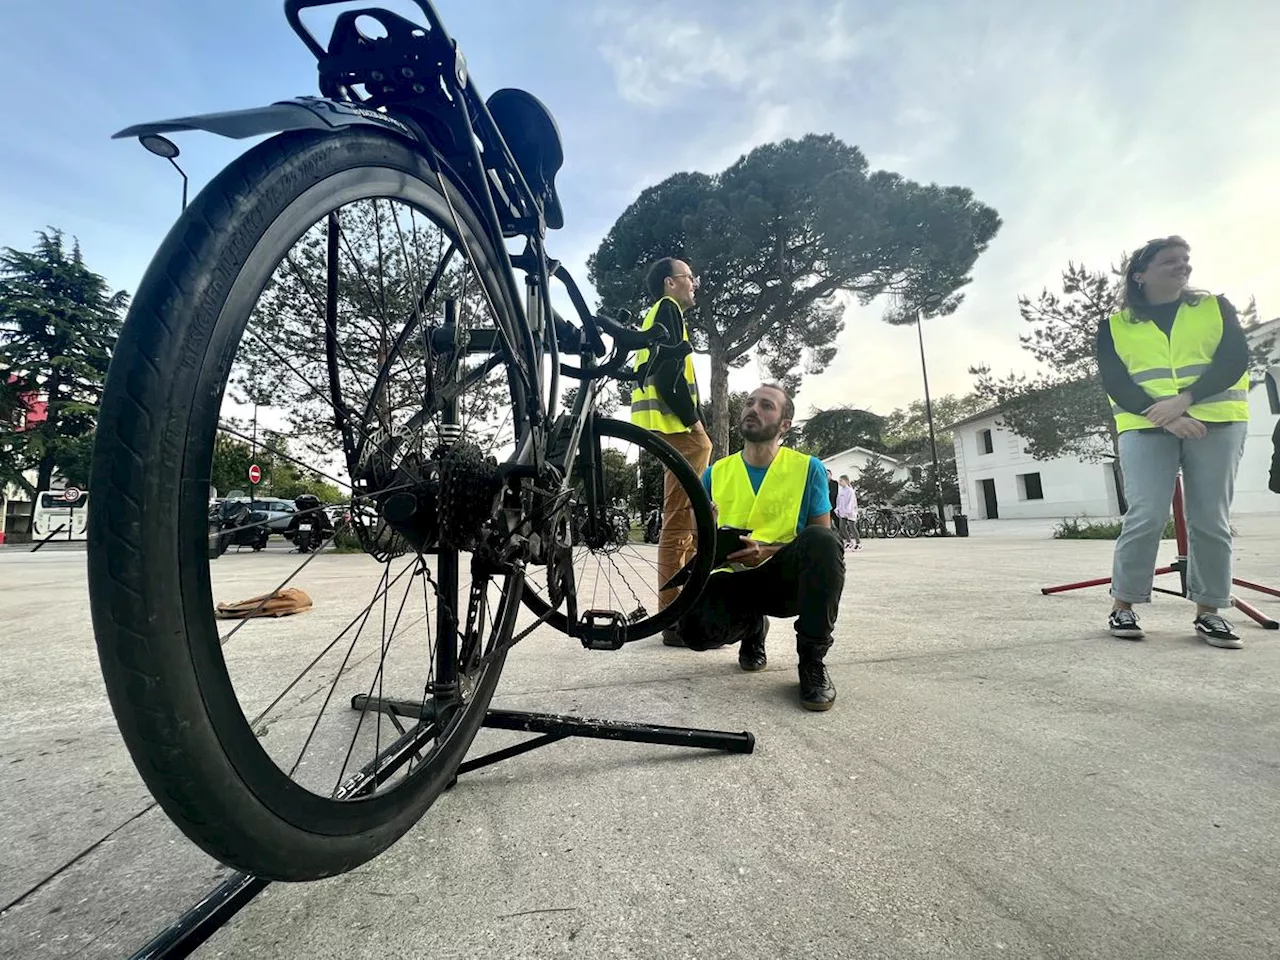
x=300, y=113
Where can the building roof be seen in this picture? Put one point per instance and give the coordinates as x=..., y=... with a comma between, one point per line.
x=871, y=453
x=980, y=415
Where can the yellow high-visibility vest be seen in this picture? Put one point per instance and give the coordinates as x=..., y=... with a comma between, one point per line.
x=773, y=514
x=1165, y=366
x=648, y=409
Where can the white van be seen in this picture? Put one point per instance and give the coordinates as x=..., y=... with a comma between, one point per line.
x=65, y=518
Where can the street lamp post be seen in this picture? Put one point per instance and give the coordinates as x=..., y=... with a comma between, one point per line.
x=933, y=439
x=166, y=148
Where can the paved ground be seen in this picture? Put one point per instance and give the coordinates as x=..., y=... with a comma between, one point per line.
x=999, y=778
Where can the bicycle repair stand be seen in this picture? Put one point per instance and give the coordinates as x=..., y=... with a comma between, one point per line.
x=206, y=917
x=1179, y=566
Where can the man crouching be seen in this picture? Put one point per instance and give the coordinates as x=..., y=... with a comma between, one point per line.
x=791, y=565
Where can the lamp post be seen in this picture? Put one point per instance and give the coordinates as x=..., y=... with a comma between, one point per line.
x=931, y=300
x=166, y=148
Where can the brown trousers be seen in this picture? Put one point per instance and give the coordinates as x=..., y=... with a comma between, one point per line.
x=676, y=543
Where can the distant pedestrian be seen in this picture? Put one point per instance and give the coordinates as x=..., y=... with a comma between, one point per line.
x=847, y=513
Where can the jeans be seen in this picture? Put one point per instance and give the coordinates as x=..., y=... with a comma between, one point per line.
x=676, y=541
x=1150, y=460
x=847, y=527
x=803, y=580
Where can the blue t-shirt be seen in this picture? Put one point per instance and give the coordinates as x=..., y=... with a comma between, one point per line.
x=817, y=495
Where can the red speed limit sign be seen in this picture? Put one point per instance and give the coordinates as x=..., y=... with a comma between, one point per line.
x=255, y=474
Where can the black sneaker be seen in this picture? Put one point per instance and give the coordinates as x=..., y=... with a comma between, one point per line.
x=1124, y=624
x=751, y=655
x=1216, y=631
x=671, y=638
x=817, y=692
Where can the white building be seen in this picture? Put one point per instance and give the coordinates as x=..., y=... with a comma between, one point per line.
x=852, y=461
x=999, y=480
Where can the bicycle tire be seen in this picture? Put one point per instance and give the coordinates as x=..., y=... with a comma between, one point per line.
x=151, y=600
x=704, y=521
x=892, y=526
x=911, y=526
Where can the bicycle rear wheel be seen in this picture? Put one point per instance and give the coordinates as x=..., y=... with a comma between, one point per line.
x=605, y=567
x=300, y=280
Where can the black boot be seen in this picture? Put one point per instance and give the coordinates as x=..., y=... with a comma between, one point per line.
x=751, y=655
x=817, y=692
x=671, y=637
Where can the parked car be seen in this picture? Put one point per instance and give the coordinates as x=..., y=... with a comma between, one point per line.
x=278, y=512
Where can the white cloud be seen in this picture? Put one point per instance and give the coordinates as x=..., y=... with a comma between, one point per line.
x=1090, y=128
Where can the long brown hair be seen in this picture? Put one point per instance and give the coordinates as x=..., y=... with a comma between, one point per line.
x=1134, y=298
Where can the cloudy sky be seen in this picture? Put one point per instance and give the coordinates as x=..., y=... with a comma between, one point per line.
x=1090, y=127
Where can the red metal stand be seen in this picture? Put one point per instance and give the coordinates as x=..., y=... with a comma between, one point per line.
x=1179, y=566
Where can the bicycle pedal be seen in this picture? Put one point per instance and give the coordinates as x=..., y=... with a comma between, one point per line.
x=615, y=639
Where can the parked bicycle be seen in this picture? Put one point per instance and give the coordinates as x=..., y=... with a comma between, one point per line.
x=878, y=520
x=888, y=522
x=360, y=255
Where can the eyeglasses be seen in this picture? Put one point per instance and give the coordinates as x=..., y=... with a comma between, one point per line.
x=687, y=276
x=1144, y=256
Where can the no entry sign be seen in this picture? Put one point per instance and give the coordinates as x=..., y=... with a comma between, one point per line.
x=255, y=474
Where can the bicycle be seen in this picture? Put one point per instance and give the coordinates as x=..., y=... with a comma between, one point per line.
x=910, y=520
x=878, y=521
x=352, y=273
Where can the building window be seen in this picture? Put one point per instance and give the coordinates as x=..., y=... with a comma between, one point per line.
x=984, y=442
x=1029, y=486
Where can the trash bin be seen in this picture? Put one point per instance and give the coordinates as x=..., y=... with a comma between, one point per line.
x=962, y=525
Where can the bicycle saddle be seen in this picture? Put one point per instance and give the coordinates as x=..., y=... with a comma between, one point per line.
x=534, y=140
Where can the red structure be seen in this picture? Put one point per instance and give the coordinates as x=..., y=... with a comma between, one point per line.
x=33, y=408
x=1179, y=566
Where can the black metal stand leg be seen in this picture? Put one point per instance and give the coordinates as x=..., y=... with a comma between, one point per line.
x=204, y=919
x=558, y=727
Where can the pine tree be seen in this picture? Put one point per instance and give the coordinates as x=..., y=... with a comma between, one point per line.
x=58, y=325
x=876, y=485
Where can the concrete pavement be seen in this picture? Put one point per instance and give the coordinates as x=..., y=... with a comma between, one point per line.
x=998, y=778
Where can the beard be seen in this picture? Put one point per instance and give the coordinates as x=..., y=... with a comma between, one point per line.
x=757, y=432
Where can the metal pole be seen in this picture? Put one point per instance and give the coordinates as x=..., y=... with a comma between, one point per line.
x=184, y=181
x=933, y=439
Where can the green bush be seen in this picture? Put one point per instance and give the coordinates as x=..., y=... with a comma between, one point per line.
x=1080, y=528
x=346, y=541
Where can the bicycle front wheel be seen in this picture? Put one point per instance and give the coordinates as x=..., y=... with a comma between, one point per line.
x=331, y=287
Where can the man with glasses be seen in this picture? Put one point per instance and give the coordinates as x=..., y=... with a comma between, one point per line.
x=667, y=403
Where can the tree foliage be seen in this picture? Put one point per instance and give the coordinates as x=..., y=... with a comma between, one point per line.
x=836, y=429
x=388, y=370
x=906, y=430
x=779, y=240
x=621, y=479
x=281, y=477
x=652, y=479
x=876, y=484
x=606, y=400
x=1062, y=410
x=736, y=402
x=58, y=325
